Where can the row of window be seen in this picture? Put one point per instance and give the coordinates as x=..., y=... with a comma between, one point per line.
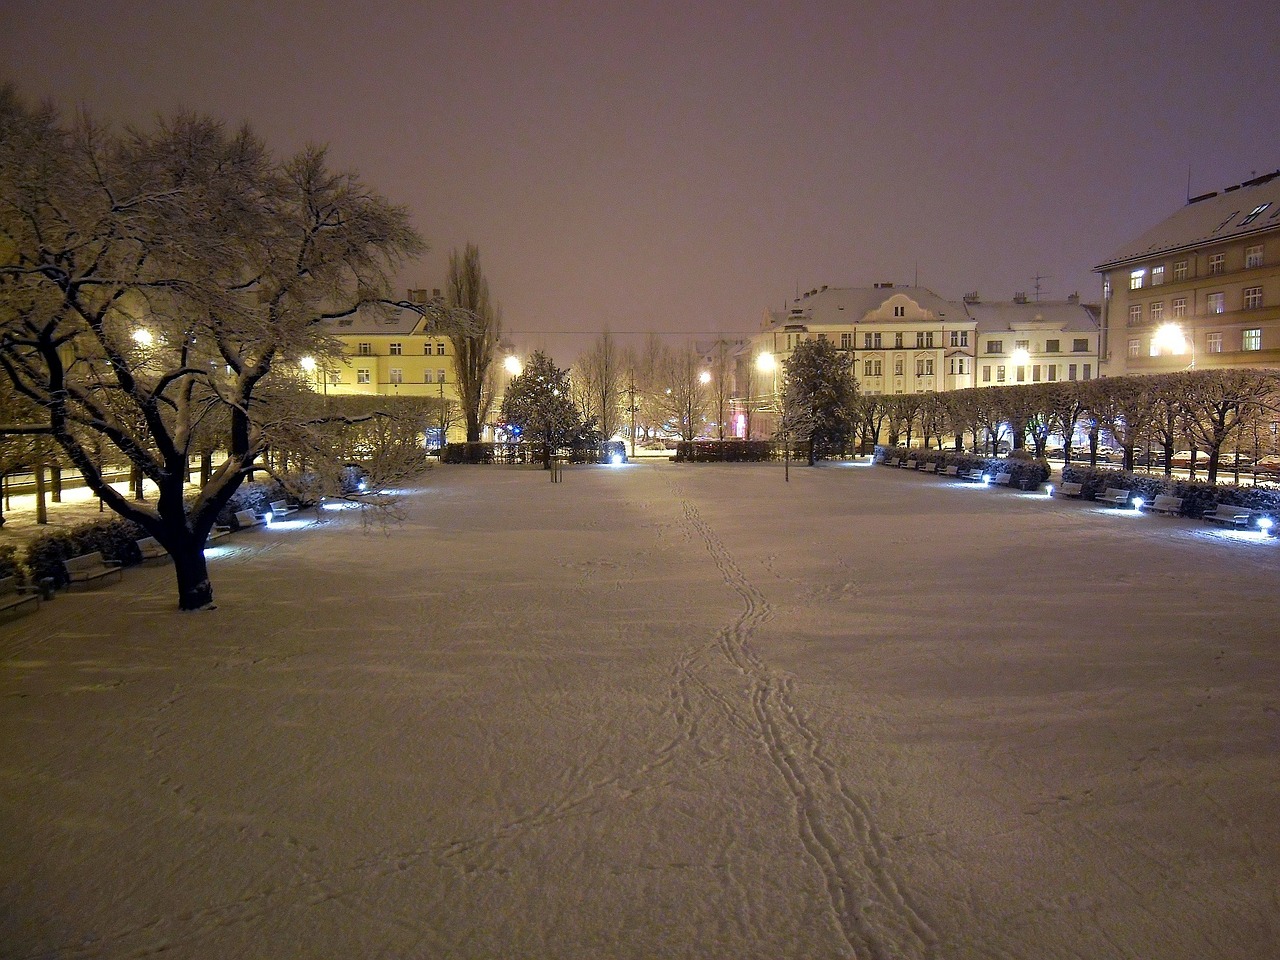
x=924, y=367
x=1250, y=299
x=1253, y=257
x=1078, y=345
x=875, y=341
x=396, y=375
x=1250, y=339
x=365, y=348
x=1051, y=372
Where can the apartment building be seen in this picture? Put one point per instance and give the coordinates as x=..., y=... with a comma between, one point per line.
x=1034, y=341
x=1200, y=289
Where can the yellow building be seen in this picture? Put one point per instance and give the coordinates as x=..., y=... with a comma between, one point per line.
x=1201, y=289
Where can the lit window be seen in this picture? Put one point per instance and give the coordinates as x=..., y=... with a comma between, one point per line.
x=397, y=349
x=1135, y=348
x=362, y=376
x=1136, y=278
x=995, y=346
x=1213, y=342
x=364, y=349
x=1157, y=311
x=1217, y=302
x=1252, y=339
x=1252, y=298
x=1080, y=345
x=1052, y=346
x=1000, y=373
x=1157, y=275
x=1180, y=271
x=1253, y=256
x=397, y=375
x=1135, y=314
x=1217, y=263
x=1179, y=307
x=1254, y=213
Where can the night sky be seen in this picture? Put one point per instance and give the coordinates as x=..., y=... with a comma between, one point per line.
x=683, y=167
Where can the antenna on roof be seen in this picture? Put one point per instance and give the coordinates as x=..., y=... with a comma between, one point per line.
x=1038, y=277
x=1188, y=183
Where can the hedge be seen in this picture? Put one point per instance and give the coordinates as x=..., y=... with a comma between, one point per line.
x=1198, y=497
x=1022, y=467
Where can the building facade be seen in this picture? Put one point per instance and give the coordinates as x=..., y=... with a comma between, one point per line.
x=1200, y=289
x=1034, y=341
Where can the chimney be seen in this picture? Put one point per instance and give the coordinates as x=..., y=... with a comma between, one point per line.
x=1073, y=298
x=1020, y=297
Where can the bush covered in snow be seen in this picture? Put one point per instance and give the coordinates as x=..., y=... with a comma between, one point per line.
x=1022, y=470
x=115, y=539
x=1197, y=496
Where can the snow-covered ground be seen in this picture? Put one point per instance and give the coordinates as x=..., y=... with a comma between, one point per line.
x=660, y=711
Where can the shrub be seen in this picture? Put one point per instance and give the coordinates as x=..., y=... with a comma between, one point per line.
x=10, y=565
x=728, y=451
x=1022, y=469
x=1197, y=496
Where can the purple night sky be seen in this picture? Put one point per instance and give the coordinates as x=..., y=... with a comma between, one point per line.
x=681, y=167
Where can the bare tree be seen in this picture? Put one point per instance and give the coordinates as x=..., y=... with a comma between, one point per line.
x=683, y=400
x=156, y=281
x=476, y=344
x=600, y=382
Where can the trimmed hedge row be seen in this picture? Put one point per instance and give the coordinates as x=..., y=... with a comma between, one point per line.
x=488, y=452
x=1021, y=466
x=1198, y=497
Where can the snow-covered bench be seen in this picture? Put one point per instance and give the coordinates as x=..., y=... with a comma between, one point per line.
x=1166, y=504
x=1070, y=489
x=149, y=548
x=13, y=595
x=90, y=567
x=929, y=467
x=974, y=475
x=951, y=471
x=1113, y=497
x=1229, y=513
x=247, y=518
x=909, y=464
x=1003, y=479
x=281, y=508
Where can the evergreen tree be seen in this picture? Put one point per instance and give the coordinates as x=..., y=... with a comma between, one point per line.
x=538, y=402
x=819, y=396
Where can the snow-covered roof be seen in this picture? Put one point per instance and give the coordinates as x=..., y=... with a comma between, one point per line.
x=1252, y=207
x=1067, y=315
x=377, y=323
x=845, y=305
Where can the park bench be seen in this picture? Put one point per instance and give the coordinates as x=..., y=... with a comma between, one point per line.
x=247, y=518
x=13, y=595
x=951, y=471
x=90, y=567
x=1164, y=503
x=909, y=464
x=1229, y=513
x=1003, y=479
x=929, y=467
x=281, y=508
x=1069, y=489
x=973, y=475
x=149, y=548
x=1113, y=497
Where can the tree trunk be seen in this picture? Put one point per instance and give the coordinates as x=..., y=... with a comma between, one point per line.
x=42, y=515
x=55, y=483
x=195, y=592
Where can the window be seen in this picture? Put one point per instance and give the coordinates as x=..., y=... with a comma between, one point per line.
x=846, y=341
x=955, y=338
x=875, y=339
x=899, y=311
x=440, y=377
x=1217, y=263
x=1071, y=371
x=1052, y=346
x=1180, y=271
x=1135, y=315
x=397, y=349
x=1157, y=311
x=1252, y=339
x=953, y=366
x=1035, y=373
x=397, y=375
x=897, y=341
x=1021, y=373
x=995, y=346
x=1179, y=307
x=1252, y=298
x=928, y=339
x=920, y=339
x=1213, y=342
x=364, y=349
x=964, y=338
x=426, y=376
x=919, y=368
x=962, y=366
x=1053, y=372
x=1135, y=279
x=1254, y=213
x=1080, y=345
x=1217, y=302
x=822, y=338
x=1253, y=256
x=1135, y=348
x=426, y=348
x=1022, y=345
x=1088, y=371
x=439, y=348
x=897, y=367
x=986, y=373
x=362, y=375
x=866, y=369
x=1157, y=275
x=866, y=341
x=1000, y=373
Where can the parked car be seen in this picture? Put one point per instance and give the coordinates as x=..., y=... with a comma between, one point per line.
x=1268, y=464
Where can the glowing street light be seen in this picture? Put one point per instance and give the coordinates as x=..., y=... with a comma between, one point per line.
x=513, y=366
x=308, y=364
x=1169, y=338
x=704, y=377
x=142, y=337
x=765, y=363
x=1021, y=357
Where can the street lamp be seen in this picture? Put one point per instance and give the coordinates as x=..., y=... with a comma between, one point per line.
x=513, y=366
x=1172, y=339
x=143, y=337
x=1021, y=357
